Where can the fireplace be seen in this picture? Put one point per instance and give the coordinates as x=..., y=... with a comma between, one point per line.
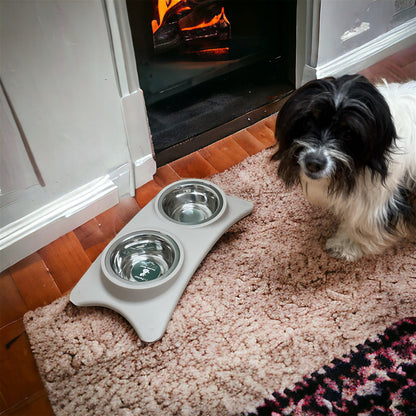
x=208, y=68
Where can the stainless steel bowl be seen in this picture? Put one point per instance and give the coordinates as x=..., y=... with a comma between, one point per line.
x=143, y=258
x=191, y=202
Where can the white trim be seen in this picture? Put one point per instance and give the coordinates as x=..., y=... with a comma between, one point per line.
x=28, y=234
x=307, y=35
x=138, y=137
x=401, y=37
x=122, y=178
x=132, y=98
x=144, y=169
x=122, y=45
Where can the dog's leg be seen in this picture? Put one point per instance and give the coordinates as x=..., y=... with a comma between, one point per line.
x=350, y=243
x=343, y=246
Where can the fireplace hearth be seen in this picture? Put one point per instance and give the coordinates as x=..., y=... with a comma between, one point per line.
x=208, y=68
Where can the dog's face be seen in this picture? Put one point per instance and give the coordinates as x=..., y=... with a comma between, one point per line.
x=334, y=128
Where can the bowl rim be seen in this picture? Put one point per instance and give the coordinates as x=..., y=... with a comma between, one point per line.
x=112, y=276
x=216, y=189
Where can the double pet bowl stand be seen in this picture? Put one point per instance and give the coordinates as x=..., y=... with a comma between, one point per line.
x=144, y=270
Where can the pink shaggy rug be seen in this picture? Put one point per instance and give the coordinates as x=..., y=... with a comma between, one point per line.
x=266, y=307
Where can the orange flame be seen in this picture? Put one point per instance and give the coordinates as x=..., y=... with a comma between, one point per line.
x=162, y=7
x=213, y=52
x=212, y=22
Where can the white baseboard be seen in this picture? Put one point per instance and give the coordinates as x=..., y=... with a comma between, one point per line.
x=34, y=231
x=144, y=169
x=366, y=55
x=39, y=228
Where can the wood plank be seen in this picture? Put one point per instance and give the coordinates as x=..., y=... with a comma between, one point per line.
x=35, y=405
x=66, y=261
x=92, y=238
x=114, y=219
x=89, y=234
x=3, y=405
x=94, y=251
x=224, y=154
x=387, y=70
x=12, y=305
x=147, y=192
x=248, y=142
x=165, y=175
x=405, y=57
x=193, y=166
x=105, y=226
x=399, y=67
x=262, y=133
x=271, y=122
x=410, y=71
x=19, y=377
x=36, y=285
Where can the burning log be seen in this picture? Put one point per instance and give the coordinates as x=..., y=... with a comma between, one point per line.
x=194, y=25
x=206, y=35
x=166, y=32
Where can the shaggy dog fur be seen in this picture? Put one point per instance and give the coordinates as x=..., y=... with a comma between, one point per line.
x=352, y=147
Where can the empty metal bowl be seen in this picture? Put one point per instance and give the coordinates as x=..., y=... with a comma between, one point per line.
x=191, y=202
x=142, y=259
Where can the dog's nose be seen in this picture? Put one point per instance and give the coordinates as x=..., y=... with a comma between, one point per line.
x=315, y=163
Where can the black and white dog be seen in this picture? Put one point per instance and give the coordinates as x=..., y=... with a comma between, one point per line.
x=352, y=147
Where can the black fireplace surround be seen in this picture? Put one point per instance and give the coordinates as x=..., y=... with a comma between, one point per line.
x=201, y=85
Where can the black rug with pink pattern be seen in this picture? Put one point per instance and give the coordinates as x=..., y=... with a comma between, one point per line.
x=376, y=378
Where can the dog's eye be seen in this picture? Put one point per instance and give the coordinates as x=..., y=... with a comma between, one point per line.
x=350, y=133
x=316, y=113
x=345, y=129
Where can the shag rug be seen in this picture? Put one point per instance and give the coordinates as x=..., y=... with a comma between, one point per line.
x=377, y=378
x=266, y=307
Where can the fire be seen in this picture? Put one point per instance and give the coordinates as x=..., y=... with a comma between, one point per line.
x=162, y=7
x=216, y=19
x=190, y=30
x=214, y=53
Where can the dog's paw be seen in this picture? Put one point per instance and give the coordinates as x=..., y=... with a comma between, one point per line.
x=343, y=248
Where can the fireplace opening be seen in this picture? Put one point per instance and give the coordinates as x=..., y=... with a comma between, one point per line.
x=208, y=68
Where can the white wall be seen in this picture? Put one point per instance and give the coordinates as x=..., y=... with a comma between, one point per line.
x=16, y=172
x=335, y=37
x=86, y=134
x=56, y=67
x=348, y=24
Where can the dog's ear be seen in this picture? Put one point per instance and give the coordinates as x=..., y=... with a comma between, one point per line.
x=286, y=119
x=276, y=155
x=288, y=169
x=369, y=113
x=289, y=117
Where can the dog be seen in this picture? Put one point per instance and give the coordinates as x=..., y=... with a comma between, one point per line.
x=351, y=145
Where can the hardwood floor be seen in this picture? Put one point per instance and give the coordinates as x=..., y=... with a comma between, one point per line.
x=55, y=269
